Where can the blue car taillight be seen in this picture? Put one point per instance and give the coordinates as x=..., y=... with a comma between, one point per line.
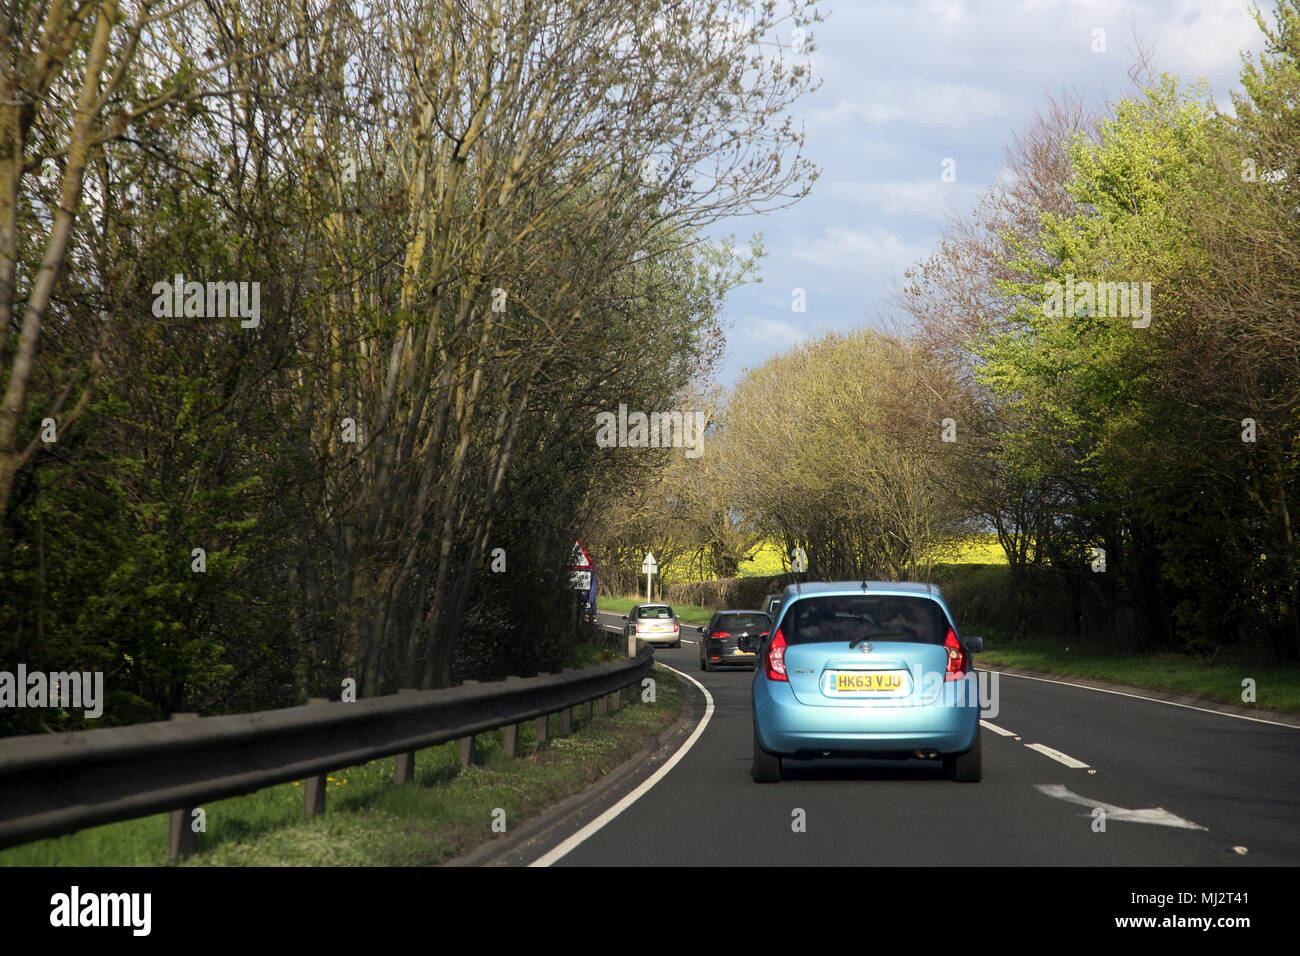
x=957, y=662
x=775, y=661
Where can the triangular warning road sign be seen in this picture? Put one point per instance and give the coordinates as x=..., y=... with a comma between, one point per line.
x=581, y=559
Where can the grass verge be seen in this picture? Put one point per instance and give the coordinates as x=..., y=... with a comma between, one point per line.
x=448, y=811
x=1276, y=688
x=689, y=613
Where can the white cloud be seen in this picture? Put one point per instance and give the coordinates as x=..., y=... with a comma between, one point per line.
x=857, y=250
x=929, y=200
x=941, y=105
x=1204, y=36
x=949, y=11
x=774, y=334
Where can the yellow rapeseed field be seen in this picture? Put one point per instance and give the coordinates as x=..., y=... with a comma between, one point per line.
x=767, y=558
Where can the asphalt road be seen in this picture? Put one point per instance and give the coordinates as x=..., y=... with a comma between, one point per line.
x=1208, y=783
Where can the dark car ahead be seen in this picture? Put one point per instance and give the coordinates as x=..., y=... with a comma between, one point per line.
x=732, y=638
x=771, y=605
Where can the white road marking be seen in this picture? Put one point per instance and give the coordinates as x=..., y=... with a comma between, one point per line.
x=997, y=730
x=1157, y=815
x=573, y=842
x=1058, y=756
x=1154, y=700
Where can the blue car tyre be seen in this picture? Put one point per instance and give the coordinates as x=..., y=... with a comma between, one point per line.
x=766, y=767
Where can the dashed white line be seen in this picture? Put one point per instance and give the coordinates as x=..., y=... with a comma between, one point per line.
x=997, y=730
x=1058, y=756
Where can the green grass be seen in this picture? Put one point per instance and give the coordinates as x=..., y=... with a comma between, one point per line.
x=689, y=613
x=1276, y=688
x=369, y=821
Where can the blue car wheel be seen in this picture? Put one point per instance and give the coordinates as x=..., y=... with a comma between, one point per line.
x=766, y=767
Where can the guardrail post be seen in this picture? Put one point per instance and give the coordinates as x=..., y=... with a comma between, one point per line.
x=510, y=733
x=313, y=788
x=180, y=836
x=405, y=770
x=542, y=728
x=569, y=716
x=467, y=743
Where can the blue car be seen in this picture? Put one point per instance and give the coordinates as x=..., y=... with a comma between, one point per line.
x=870, y=669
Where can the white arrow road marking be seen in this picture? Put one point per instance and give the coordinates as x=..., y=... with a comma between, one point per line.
x=1156, y=815
x=997, y=730
x=1058, y=756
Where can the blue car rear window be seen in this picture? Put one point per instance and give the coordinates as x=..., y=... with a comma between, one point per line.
x=815, y=620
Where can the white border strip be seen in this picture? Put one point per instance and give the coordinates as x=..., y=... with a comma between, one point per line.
x=573, y=842
x=1154, y=700
x=1059, y=757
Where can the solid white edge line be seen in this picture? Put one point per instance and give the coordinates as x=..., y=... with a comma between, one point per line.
x=997, y=730
x=573, y=842
x=1059, y=757
x=1154, y=700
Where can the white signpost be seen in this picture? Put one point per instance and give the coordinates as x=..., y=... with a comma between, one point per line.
x=648, y=567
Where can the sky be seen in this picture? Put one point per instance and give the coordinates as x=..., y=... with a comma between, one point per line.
x=907, y=85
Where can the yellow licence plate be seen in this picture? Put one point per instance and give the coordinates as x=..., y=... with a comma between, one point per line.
x=880, y=683
x=739, y=653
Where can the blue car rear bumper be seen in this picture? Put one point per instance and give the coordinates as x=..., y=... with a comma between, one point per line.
x=787, y=727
